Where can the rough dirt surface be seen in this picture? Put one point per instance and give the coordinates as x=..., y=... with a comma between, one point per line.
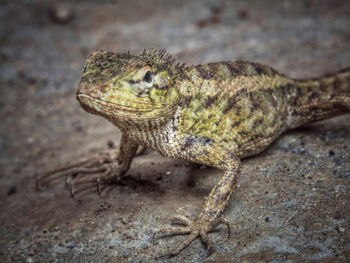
x=293, y=201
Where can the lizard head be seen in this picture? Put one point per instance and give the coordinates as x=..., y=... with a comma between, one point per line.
x=126, y=88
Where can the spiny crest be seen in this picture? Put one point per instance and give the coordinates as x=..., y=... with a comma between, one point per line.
x=161, y=56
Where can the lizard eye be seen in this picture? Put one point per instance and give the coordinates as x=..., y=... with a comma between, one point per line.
x=148, y=77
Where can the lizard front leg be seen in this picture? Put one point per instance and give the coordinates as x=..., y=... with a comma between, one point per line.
x=105, y=167
x=211, y=214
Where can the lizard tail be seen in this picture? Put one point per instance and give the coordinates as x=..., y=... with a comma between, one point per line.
x=319, y=98
x=337, y=82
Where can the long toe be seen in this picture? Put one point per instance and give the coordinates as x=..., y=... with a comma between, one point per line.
x=182, y=246
x=172, y=231
x=179, y=219
x=222, y=220
x=92, y=164
x=198, y=228
x=206, y=240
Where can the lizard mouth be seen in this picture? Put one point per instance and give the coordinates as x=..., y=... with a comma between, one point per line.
x=96, y=105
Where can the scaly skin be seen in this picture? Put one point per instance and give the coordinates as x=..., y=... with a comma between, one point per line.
x=213, y=114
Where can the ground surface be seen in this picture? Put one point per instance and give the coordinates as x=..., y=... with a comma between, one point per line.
x=292, y=203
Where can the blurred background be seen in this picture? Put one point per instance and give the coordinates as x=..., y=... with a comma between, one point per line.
x=293, y=200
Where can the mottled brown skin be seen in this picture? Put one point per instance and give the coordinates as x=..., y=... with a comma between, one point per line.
x=213, y=114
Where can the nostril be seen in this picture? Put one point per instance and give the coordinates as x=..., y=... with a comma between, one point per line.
x=82, y=88
x=104, y=88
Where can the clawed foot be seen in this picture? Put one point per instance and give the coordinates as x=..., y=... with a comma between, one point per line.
x=100, y=176
x=198, y=228
x=100, y=169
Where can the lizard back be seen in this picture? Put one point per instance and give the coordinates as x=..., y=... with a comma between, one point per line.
x=245, y=106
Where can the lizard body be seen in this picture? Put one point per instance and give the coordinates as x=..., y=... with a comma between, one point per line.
x=214, y=114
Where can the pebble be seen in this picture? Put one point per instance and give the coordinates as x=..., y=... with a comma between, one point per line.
x=30, y=140
x=61, y=13
x=341, y=229
x=111, y=144
x=124, y=220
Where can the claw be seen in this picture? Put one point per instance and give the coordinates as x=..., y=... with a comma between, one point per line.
x=199, y=228
x=206, y=240
x=68, y=182
x=98, y=179
x=71, y=190
x=223, y=220
x=75, y=192
x=184, y=244
x=98, y=186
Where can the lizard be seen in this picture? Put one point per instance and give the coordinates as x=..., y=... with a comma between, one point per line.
x=214, y=114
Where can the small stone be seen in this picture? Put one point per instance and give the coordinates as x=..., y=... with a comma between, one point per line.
x=111, y=144
x=341, y=229
x=267, y=219
x=30, y=140
x=317, y=225
x=168, y=172
x=61, y=13
x=124, y=220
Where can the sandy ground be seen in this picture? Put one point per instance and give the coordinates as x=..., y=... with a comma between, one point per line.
x=292, y=203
